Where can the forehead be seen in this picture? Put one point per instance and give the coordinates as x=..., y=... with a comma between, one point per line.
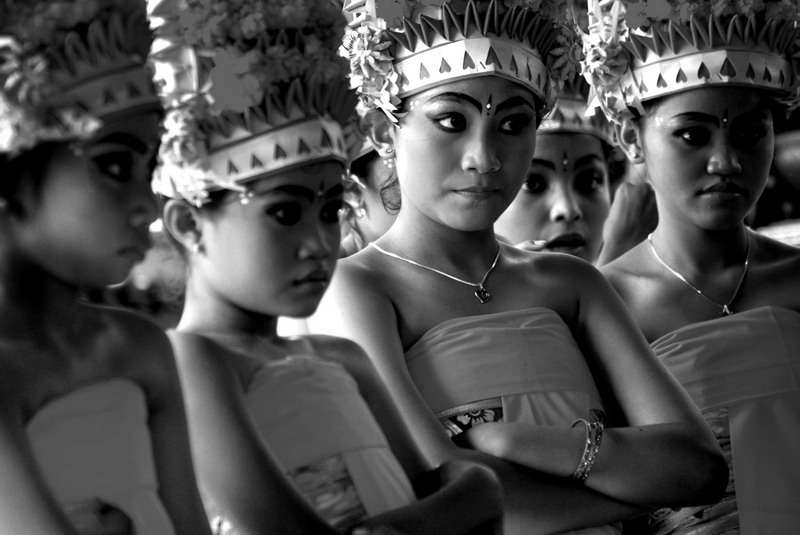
x=312, y=176
x=479, y=88
x=552, y=146
x=142, y=126
x=713, y=100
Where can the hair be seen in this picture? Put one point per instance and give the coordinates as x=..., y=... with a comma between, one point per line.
x=30, y=165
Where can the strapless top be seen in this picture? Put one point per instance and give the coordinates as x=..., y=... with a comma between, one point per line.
x=94, y=444
x=748, y=366
x=311, y=415
x=519, y=366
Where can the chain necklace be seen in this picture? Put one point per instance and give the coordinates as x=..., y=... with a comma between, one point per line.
x=725, y=308
x=481, y=292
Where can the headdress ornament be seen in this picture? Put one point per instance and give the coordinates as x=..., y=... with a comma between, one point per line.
x=66, y=65
x=400, y=47
x=636, y=51
x=250, y=87
x=571, y=114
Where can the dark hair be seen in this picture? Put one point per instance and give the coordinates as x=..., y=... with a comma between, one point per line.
x=29, y=166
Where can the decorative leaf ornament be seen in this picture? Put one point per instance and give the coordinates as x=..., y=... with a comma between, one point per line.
x=636, y=51
x=67, y=64
x=250, y=87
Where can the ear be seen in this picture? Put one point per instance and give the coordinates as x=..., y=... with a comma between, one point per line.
x=182, y=221
x=380, y=132
x=630, y=139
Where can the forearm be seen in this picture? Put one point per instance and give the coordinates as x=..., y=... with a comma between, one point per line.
x=467, y=499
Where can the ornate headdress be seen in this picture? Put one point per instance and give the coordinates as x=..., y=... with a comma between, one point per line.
x=66, y=65
x=250, y=87
x=570, y=113
x=636, y=51
x=400, y=47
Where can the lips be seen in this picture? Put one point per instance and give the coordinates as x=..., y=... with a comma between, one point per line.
x=318, y=276
x=726, y=188
x=569, y=240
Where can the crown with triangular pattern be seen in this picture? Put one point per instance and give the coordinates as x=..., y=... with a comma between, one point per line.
x=570, y=113
x=67, y=65
x=251, y=88
x=643, y=50
x=397, y=48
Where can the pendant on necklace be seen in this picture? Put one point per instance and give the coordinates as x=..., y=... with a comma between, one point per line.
x=726, y=311
x=482, y=294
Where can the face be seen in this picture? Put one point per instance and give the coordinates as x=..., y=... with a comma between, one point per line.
x=463, y=149
x=88, y=224
x=275, y=255
x=708, y=153
x=565, y=198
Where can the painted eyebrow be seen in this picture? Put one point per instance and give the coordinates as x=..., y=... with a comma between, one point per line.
x=585, y=160
x=699, y=117
x=123, y=138
x=544, y=163
x=509, y=103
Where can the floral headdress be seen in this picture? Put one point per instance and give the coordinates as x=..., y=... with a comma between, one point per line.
x=400, y=47
x=636, y=51
x=570, y=113
x=250, y=87
x=66, y=65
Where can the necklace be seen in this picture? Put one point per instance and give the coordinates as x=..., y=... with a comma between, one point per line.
x=725, y=308
x=481, y=292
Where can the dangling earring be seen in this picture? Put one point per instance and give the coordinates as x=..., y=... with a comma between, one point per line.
x=196, y=248
x=389, y=163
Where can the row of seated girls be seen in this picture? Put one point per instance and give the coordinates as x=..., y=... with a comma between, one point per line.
x=528, y=401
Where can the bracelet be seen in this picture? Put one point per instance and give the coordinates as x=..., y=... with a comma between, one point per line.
x=594, y=434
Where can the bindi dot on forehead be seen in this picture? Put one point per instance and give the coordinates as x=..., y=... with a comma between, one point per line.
x=725, y=118
x=489, y=105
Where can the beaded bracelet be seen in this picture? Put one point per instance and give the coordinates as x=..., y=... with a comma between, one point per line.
x=594, y=434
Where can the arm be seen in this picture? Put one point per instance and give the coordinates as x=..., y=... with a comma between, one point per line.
x=457, y=497
x=534, y=502
x=665, y=457
x=168, y=430
x=239, y=477
x=632, y=217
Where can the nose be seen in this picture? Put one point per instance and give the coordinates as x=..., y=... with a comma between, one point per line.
x=564, y=206
x=144, y=206
x=481, y=153
x=723, y=160
x=319, y=242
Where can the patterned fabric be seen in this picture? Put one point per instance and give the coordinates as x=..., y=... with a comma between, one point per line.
x=93, y=448
x=743, y=372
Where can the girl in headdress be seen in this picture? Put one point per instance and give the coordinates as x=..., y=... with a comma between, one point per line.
x=528, y=360
x=93, y=436
x=251, y=163
x=696, y=89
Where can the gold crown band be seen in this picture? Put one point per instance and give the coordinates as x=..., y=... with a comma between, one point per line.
x=246, y=156
x=673, y=73
x=471, y=57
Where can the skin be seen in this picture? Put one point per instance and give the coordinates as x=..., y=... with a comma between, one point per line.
x=707, y=175
x=565, y=206
x=85, y=225
x=274, y=257
x=459, y=169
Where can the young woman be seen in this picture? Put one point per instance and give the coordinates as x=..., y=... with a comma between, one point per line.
x=522, y=357
x=566, y=199
x=718, y=303
x=264, y=244
x=93, y=433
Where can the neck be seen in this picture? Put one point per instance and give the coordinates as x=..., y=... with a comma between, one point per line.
x=700, y=250
x=32, y=301
x=207, y=312
x=417, y=237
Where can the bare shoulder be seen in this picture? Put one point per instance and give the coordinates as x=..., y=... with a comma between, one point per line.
x=342, y=351
x=559, y=270
x=628, y=272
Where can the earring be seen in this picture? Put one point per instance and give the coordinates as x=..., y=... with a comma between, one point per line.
x=389, y=163
x=196, y=248
x=389, y=150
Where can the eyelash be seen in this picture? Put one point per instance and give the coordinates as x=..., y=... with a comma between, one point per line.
x=329, y=212
x=520, y=121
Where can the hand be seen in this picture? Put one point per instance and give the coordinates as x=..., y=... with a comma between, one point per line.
x=632, y=217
